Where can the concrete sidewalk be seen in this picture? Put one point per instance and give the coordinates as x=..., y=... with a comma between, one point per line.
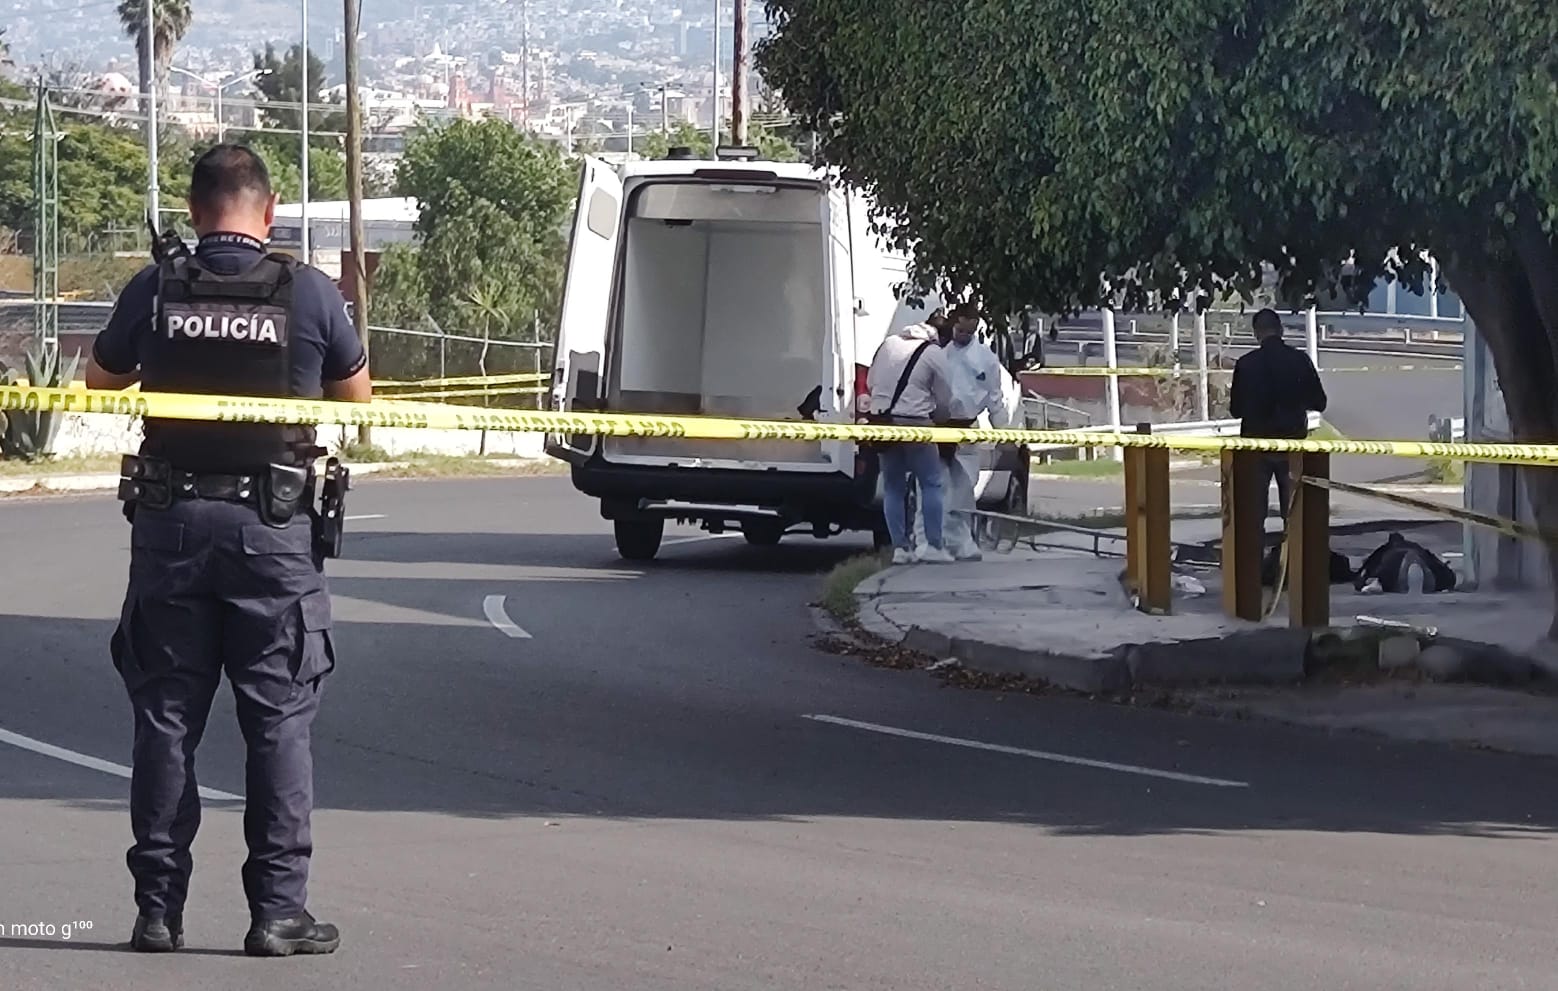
x=1063, y=618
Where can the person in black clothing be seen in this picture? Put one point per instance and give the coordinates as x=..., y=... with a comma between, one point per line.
x=1274, y=389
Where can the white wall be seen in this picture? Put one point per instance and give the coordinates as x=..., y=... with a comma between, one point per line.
x=82, y=435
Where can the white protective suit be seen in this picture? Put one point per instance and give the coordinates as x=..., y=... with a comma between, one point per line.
x=976, y=394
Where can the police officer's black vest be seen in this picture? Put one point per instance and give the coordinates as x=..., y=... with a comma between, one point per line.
x=231, y=335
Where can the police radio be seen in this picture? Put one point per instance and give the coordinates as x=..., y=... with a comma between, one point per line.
x=165, y=245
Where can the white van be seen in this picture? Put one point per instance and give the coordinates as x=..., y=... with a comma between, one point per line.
x=740, y=289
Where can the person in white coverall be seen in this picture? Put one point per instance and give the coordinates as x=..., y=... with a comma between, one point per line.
x=975, y=372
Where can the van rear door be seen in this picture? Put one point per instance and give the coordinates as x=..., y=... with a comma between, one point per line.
x=578, y=379
x=838, y=386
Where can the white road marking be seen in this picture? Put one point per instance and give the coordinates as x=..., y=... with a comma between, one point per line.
x=95, y=763
x=375, y=516
x=1102, y=765
x=697, y=540
x=493, y=607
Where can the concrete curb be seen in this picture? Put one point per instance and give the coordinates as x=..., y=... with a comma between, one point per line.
x=1271, y=656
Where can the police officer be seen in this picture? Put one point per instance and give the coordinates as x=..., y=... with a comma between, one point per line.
x=223, y=574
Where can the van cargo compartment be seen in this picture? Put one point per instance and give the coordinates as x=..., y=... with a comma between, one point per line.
x=723, y=311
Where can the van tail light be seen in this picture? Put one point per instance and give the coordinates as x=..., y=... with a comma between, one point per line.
x=862, y=393
x=863, y=464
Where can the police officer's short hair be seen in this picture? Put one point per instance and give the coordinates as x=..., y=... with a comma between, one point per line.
x=226, y=173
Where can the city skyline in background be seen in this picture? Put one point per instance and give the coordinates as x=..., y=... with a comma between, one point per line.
x=573, y=70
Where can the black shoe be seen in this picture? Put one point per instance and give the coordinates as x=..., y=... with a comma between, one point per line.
x=284, y=937
x=157, y=934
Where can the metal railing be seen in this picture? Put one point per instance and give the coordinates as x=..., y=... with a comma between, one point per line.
x=400, y=354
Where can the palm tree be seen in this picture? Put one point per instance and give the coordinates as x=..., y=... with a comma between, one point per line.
x=172, y=22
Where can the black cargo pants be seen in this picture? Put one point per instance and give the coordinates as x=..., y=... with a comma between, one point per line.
x=212, y=588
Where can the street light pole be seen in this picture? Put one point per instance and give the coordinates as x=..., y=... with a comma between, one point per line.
x=153, y=192
x=359, y=240
x=305, y=243
x=714, y=131
x=219, y=89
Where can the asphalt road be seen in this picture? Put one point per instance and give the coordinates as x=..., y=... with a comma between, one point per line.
x=633, y=795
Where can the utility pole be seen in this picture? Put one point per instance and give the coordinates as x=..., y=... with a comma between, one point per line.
x=738, y=92
x=524, y=63
x=354, y=189
x=153, y=193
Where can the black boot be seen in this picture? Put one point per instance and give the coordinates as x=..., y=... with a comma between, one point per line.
x=284, y=937
x=157, y=934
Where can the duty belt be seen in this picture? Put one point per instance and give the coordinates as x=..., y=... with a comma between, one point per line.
x=153, y=481
x=279, y=492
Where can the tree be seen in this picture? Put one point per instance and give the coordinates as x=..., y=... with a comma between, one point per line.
x=491, y=232
x=283, y=155
x=770, y=146
x=1091, y=154
x=102, y=176
x=282, y=87
x=171, y=22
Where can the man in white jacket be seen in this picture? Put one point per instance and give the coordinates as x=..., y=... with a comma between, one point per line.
x=975, y=372
x=911, y=385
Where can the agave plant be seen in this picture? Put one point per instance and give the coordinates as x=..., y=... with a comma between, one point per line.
x=31, y=435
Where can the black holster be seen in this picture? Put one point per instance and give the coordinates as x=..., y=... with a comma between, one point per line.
x=330, y=520
x=284, y=489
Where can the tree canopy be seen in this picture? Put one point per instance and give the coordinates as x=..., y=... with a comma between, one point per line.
x=171, y=20
x=491, y=232
x=281, y=84
x=1071, y=153
x=1030, y=147
x=772, y=147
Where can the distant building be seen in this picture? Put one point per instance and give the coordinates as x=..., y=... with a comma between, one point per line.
x=386, y=221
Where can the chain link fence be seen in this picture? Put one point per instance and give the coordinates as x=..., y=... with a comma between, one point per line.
x=401, y=355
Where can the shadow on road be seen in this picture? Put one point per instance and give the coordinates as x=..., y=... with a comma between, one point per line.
x=681, y=694
x=124, y=947
x=681, y=551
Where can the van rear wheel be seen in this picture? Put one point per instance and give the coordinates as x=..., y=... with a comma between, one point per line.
x=639, y=540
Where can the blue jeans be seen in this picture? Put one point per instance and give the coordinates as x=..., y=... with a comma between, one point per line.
x=921, y=461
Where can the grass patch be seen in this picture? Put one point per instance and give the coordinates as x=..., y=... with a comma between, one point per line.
x=364, y=454
x=470, y=466
x=1096, y=468
x=94, y=464
x=838, y=588
x=1444, y=471
x=1325, y=431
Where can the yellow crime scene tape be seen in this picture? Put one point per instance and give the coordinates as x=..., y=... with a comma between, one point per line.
x=1510, y=528
x=439, y=416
